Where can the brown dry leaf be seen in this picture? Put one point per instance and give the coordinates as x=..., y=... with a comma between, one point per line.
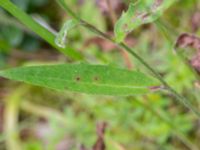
x=100, y=144
x=188, y=40
x=195, y=21
x=195, y=62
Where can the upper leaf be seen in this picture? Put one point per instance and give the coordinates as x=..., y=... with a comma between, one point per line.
x=93, y=79
x=142, y=12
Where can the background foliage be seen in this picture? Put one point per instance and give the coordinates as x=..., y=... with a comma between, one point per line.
x=65, y=120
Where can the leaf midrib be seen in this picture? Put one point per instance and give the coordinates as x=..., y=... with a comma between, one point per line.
x=88, y=83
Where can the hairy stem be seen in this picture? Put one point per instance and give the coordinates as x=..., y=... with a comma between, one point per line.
x=90, y=27
x=179, y=97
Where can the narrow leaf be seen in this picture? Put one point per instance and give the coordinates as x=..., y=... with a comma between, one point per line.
x=92, y=79
x=142, y=12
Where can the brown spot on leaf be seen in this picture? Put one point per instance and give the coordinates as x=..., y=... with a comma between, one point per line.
x=96, y=78
x=78, y=78
x=188, y=40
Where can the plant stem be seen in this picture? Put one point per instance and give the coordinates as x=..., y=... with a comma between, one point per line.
x=90, y=27
x=11, y=119
x=36, y=27
x=179, y=97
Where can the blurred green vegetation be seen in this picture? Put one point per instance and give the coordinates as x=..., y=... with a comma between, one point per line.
x=153, y=121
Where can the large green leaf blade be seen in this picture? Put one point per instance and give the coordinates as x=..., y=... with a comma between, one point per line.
x=142, y=12
x=92, y=79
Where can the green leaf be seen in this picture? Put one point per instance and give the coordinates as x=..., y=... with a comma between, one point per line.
x=61, y=38
x=92, y=79
x=142, y=12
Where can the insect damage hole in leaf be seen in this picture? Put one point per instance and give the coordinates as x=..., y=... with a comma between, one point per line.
x=83, y=78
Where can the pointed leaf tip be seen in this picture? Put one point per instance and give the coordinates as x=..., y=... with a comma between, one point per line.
x=84, y=78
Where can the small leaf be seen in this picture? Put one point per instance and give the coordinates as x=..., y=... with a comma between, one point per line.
x=61, y=38
x=140, y=13
x=186, y=40
x=92, y=79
